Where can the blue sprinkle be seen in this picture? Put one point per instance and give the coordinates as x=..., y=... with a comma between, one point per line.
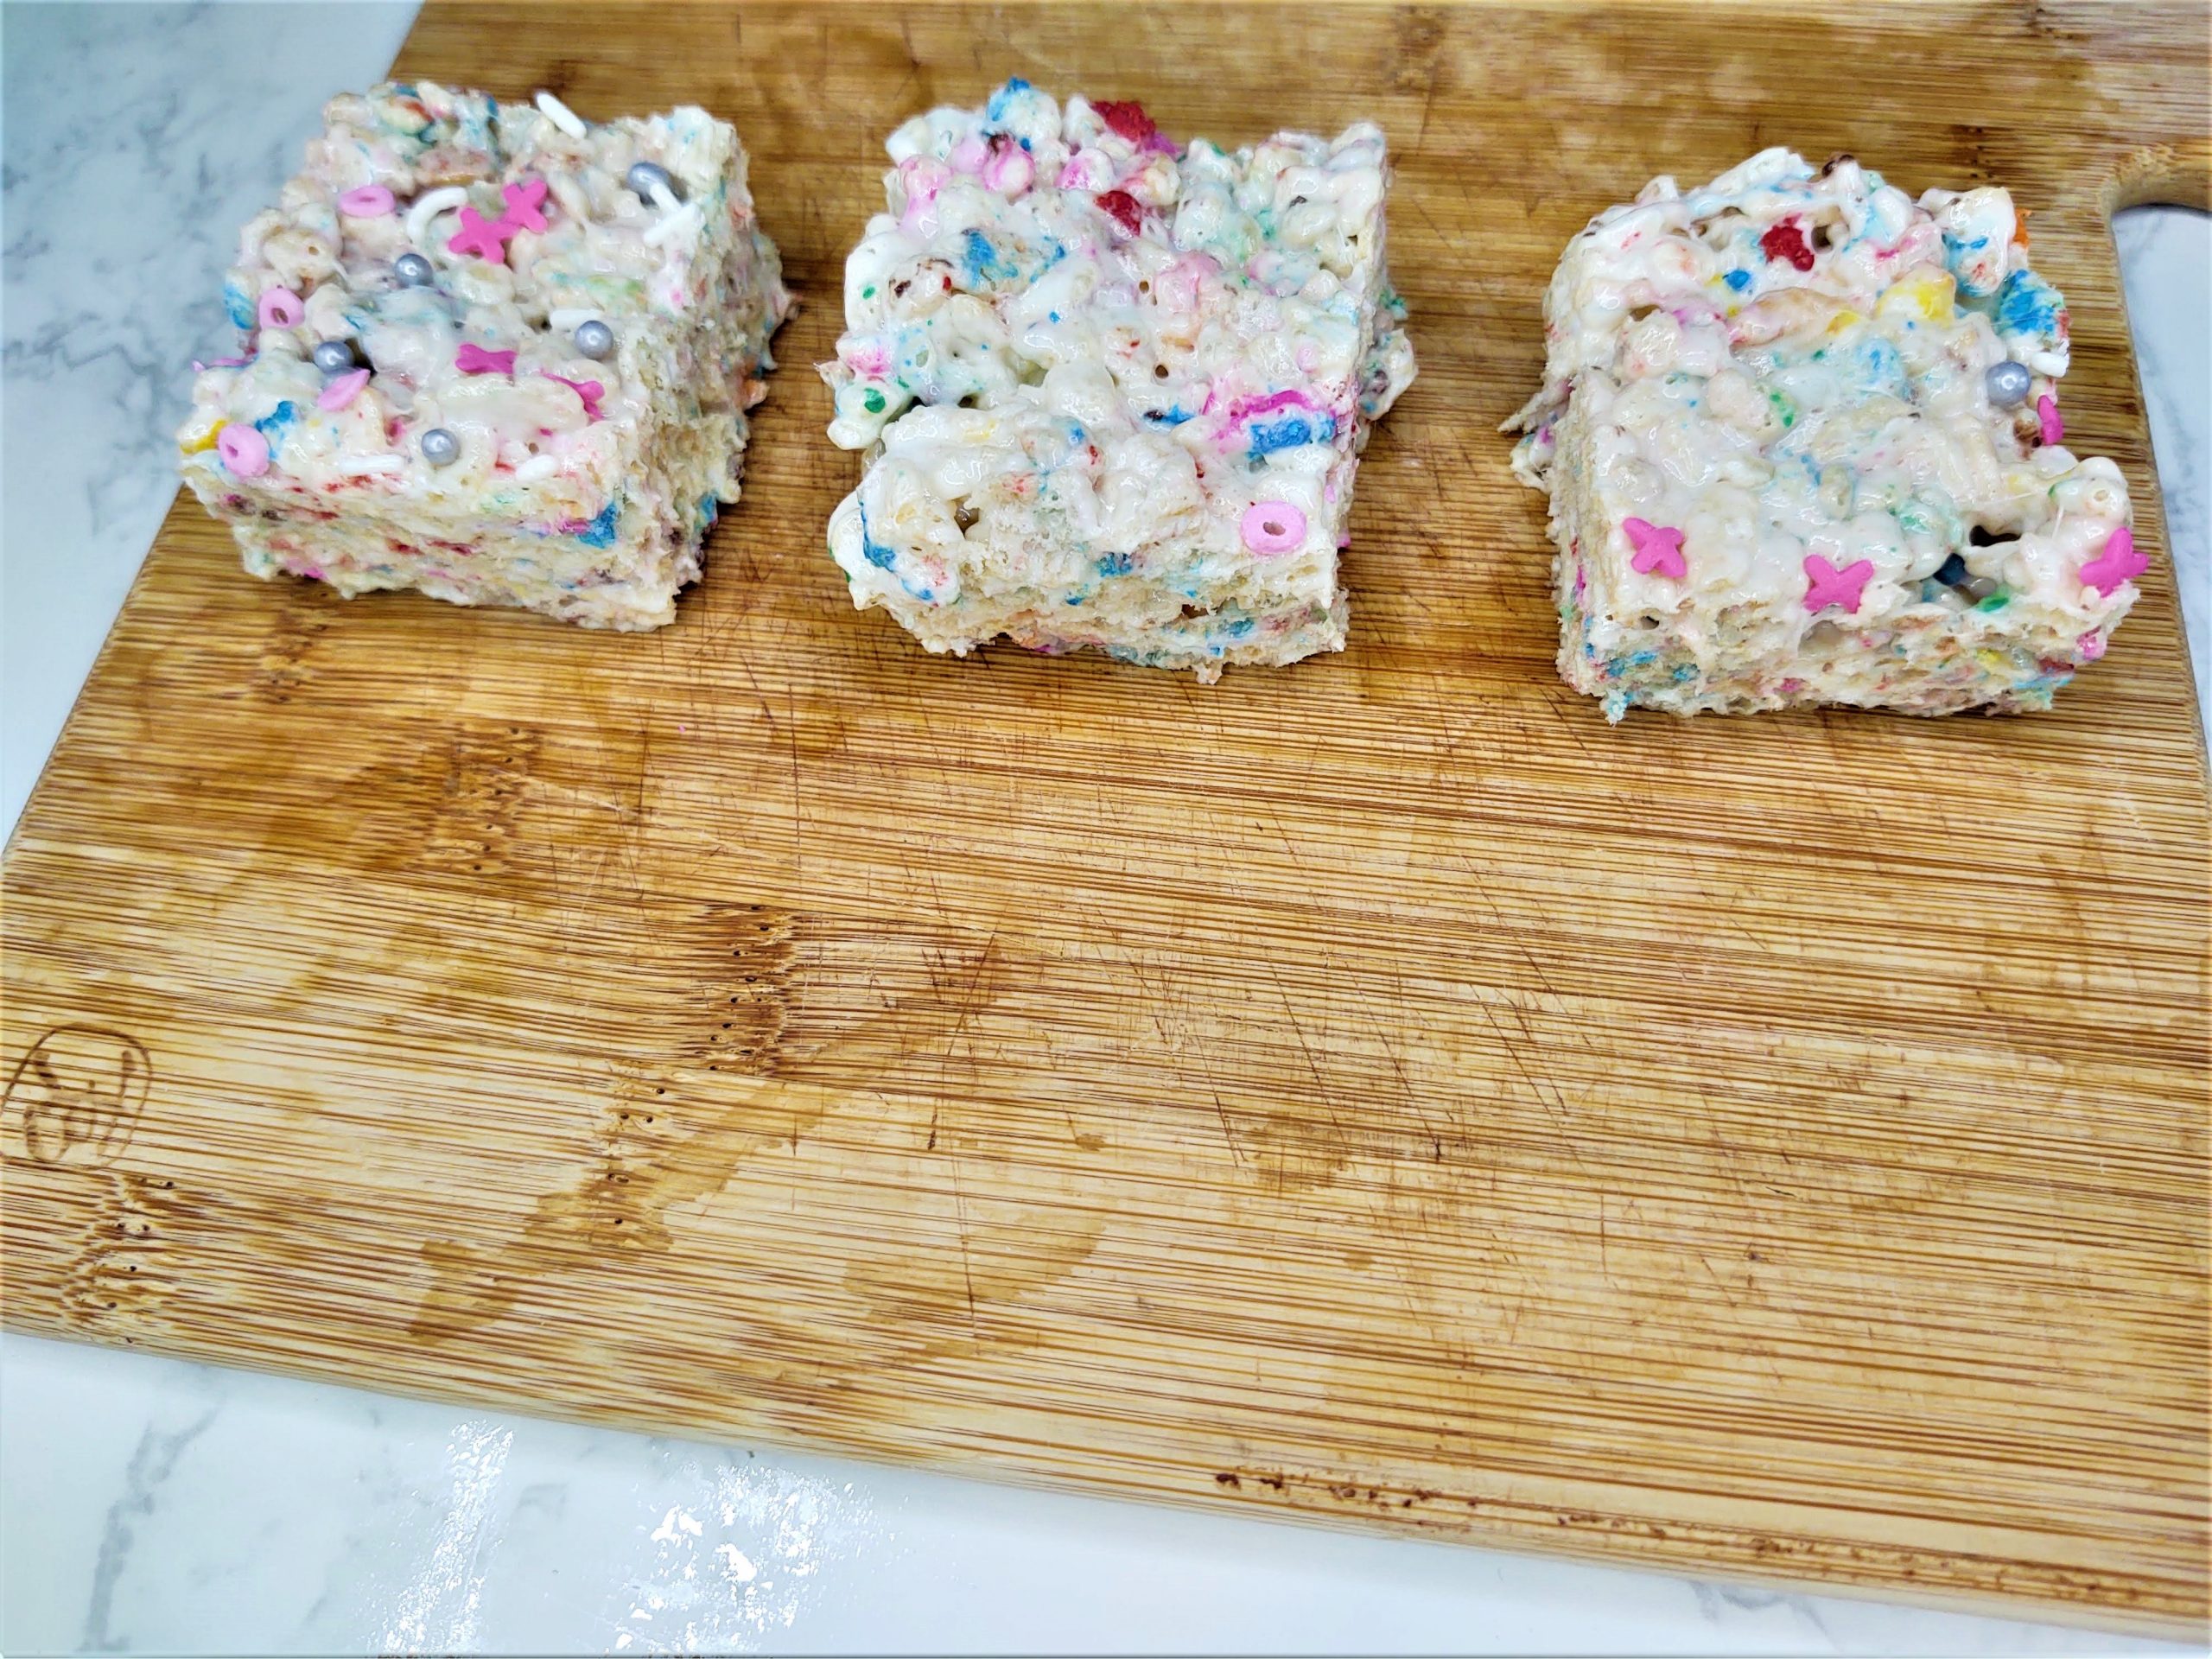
x=1239, y=628
x=273, y=425
x=2027, y=305
x=1957, y=255
x=1738, y=280
x=1881, y=369
x=601, y=530
x=1053, y=316
x=995, y=110
x=1291, y=432
x=873, y=551
x=1952, y=572
x=1167, y=417
x=236, y=303
x=1642, y=656
x=983, y=261
x=1116, y=564
x=709, y=509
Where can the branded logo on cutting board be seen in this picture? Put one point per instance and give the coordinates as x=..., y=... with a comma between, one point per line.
x=80, y=1090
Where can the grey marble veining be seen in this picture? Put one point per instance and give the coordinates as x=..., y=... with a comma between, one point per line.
x=118, y=214
x=152, y=1506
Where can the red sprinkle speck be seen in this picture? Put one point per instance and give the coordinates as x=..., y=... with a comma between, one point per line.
x=1121, y=207
x=1128, y=119
x=1787, y=241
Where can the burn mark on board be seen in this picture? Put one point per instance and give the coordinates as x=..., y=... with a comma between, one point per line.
x=117, y=1279
x=75, y=1099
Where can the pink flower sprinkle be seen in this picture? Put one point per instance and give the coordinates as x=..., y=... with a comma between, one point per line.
x=590, y=390
x=525, y=201
x=343, y=389
x=243, y=450
x=474, y=359
x=2054, y=429
x=1272, y=527
x=474, y=236
x=2119, y=562
x=1825, y=585
x=279, y=308
x=367, y=201
x=1658, y=549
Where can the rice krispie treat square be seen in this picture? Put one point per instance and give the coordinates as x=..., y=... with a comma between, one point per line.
x=498, y=353
x=1802, y=439
x=1113, y=390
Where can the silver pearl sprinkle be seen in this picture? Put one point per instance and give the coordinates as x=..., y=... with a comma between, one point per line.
x=440, y=446
x=644, y=176
x=414, y=270
x=334, y=356
x=594, y=339
x=2008, y=383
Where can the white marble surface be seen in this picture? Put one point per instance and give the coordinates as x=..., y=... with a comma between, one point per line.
x=150, y=1506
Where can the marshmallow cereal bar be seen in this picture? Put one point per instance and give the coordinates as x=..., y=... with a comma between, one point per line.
x=1802, y=439
x=1113, y=390
x=495, y=353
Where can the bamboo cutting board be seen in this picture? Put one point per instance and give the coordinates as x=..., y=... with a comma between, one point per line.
x=1375, y=1092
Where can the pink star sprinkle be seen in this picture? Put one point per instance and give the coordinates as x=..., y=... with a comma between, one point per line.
x=1825, y=585
x=474, y=236
x=474, y=359
x=342, y=390
x=1658, y=551
x=2119, y=562
x=590, y=390
x=524, y=202
x=2054, y=429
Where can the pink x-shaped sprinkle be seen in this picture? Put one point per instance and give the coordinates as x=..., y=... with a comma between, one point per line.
x=474, y=359
x=474, y=236
x=523, y=204
x=2119, y=563
x=1658, y=550
x=590, y=390
x=1825, y=585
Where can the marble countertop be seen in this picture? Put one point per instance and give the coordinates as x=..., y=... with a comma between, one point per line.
x=147, y=1505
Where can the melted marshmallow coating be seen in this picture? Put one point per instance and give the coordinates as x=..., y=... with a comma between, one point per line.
x=1788, y=367
x=581, y=488
x=1113, y=392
